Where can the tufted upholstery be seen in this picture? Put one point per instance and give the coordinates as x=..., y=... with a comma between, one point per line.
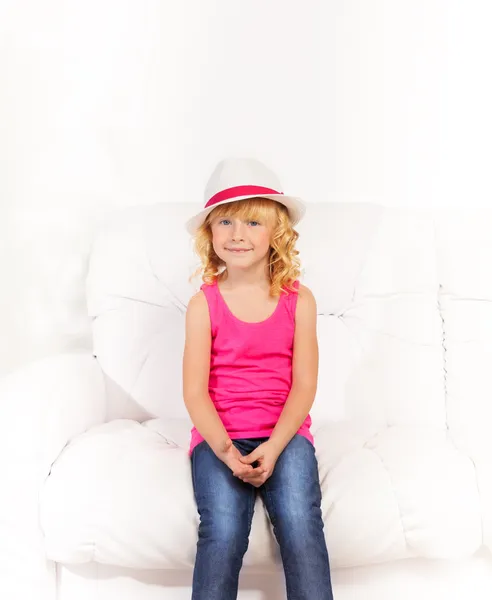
x=401, y=419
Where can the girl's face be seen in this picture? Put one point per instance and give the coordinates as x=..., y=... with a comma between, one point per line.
x=240, y=243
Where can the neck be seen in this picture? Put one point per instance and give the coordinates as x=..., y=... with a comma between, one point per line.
x=258, y=275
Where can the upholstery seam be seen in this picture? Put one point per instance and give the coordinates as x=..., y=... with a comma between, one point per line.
x=446, y=395
x=395, y=494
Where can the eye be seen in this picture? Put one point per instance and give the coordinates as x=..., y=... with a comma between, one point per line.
x=254, y=223
x=226, y=221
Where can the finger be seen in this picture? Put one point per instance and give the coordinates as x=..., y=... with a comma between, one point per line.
x=249, y=458
x=246, y=469
x=252, y=475
x=256, y=473
x=256, y=482
x=242, y=472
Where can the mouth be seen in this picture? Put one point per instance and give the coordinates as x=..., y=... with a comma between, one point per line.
x=238, y=250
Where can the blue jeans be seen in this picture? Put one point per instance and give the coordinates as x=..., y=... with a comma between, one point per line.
x=292, y=497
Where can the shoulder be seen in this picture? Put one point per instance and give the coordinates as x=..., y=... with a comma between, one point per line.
x=198, y=301
x=197, y=307
x=306, y=309
x=306, y=296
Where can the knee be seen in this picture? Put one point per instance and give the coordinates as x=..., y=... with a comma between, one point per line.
x=297, y=472
x=224, y=530
x=298, y=521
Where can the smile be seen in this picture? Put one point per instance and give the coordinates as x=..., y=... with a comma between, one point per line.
x=238, y=251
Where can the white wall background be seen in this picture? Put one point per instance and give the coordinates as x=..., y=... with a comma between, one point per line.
x=107, y=103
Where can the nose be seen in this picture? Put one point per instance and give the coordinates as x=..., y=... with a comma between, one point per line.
x=237, y=231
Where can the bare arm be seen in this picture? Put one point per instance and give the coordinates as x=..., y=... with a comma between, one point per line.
x=196, y=370
x=304, y=371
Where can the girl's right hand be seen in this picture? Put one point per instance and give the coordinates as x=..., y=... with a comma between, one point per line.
x=230, y=455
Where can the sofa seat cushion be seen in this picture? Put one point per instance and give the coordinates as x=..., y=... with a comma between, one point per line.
x=121, y=494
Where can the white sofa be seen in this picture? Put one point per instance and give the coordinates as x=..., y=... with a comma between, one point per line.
x=97, y=500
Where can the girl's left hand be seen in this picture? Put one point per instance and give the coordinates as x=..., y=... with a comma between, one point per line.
x=266, y=454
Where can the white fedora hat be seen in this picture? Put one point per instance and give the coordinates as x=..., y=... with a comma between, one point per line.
x=236, y=179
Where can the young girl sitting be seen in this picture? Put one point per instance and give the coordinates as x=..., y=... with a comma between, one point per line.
x=250, y=371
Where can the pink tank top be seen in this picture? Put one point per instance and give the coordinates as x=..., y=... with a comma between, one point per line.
x=250, y=367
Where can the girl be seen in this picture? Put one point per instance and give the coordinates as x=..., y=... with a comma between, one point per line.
x=250, y=372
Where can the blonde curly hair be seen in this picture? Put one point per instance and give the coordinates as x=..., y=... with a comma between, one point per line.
x=284, y=265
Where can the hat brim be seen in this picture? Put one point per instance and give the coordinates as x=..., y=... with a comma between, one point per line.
x=294, y=205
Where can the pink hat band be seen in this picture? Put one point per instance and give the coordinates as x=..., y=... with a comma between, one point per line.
x=239, y=190
x=235, y=179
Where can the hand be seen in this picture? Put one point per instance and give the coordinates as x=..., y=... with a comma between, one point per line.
x=266, y=455
x=231, y=456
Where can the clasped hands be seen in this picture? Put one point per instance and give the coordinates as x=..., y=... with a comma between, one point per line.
x=266, y=454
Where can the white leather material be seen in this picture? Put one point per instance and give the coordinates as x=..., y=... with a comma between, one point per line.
x=401, y=417
x=44, y=405
x=123, y=493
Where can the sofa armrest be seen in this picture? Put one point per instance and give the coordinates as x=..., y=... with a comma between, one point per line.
x=43, y=406
x=47, y=403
